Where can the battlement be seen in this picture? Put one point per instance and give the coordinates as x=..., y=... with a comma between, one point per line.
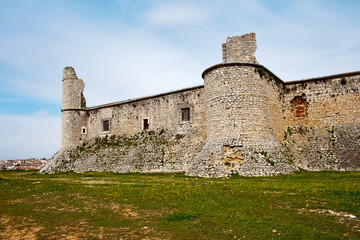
x=240, y=49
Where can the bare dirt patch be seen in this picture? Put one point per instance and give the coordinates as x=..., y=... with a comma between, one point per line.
x=12, y=228
x=127, y=210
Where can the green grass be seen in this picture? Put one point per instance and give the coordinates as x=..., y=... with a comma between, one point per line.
x=303, y=205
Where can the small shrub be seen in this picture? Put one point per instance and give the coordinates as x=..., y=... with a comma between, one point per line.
x=271, y=162
x=261, y=72
x=301, y=130
x=343, y=81
x=289, y=131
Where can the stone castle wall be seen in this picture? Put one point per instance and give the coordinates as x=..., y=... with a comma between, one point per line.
x=163, y=113
x=324, y=101
x=323, y=122
x=169, y=143
x=244, y=120
x=146, y=151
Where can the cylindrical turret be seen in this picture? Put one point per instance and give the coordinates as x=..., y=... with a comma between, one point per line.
x=235, y=104
x=243, y=114
x=235, y=95
x=73, y=116
x=72, y=90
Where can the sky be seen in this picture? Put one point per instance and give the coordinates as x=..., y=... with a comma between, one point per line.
x=125, y=49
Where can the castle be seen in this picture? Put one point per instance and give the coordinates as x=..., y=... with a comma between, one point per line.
x=243, y=120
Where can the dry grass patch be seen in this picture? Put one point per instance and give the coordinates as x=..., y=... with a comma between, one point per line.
x=17, y=229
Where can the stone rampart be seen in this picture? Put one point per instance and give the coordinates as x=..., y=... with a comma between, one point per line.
x=147, y=151
x=323, y=122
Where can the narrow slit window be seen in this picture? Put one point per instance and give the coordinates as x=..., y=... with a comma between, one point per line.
x=83, y=130
x=145, y=124
x=106, y=125
x=185, y=114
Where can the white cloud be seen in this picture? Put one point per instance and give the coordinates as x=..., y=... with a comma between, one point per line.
x=166, y=47
x=115, y=62
x=28, y=136
x=170, y=14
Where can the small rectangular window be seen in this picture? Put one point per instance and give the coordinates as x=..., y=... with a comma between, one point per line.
x=83, y=130
x=106, y=125
x=185, y=114
x=145, y=124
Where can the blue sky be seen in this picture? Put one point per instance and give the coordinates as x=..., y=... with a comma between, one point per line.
x=132, y=48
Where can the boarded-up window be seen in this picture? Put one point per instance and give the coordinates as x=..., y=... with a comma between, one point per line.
x=185, y=114
x=145, y=124
x=299, y=106
x=106, y=125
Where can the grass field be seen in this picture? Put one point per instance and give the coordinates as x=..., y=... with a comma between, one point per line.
x=304, y=205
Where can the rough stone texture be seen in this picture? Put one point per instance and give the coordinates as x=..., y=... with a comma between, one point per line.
x=319, y=148
x=162, y=112
x=72, y=102
x=240, y=104
x=72, y=90
x=148, y=151
x=219, y=160
x=244, y=120
x=323, y=118
x=325, y=101
x=240, y=49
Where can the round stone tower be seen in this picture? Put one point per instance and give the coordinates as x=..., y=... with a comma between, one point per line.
x=235, y=95
x=73, y=118
x=243, y=114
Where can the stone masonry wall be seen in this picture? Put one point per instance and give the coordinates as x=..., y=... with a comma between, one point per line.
x=163, y=113
x=73, y=101
x=323, y=119
x=71, y=123
x=72, y=90
x=236, y=103
x=147, y=151
x=169, y=144
x=240, y=49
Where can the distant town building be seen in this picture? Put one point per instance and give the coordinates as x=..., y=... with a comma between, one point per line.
x=24, y=164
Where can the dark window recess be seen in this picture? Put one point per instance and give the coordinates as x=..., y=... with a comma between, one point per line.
x=145, y=124
x=185, y=114
x=106, y=125
x=84, y=130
